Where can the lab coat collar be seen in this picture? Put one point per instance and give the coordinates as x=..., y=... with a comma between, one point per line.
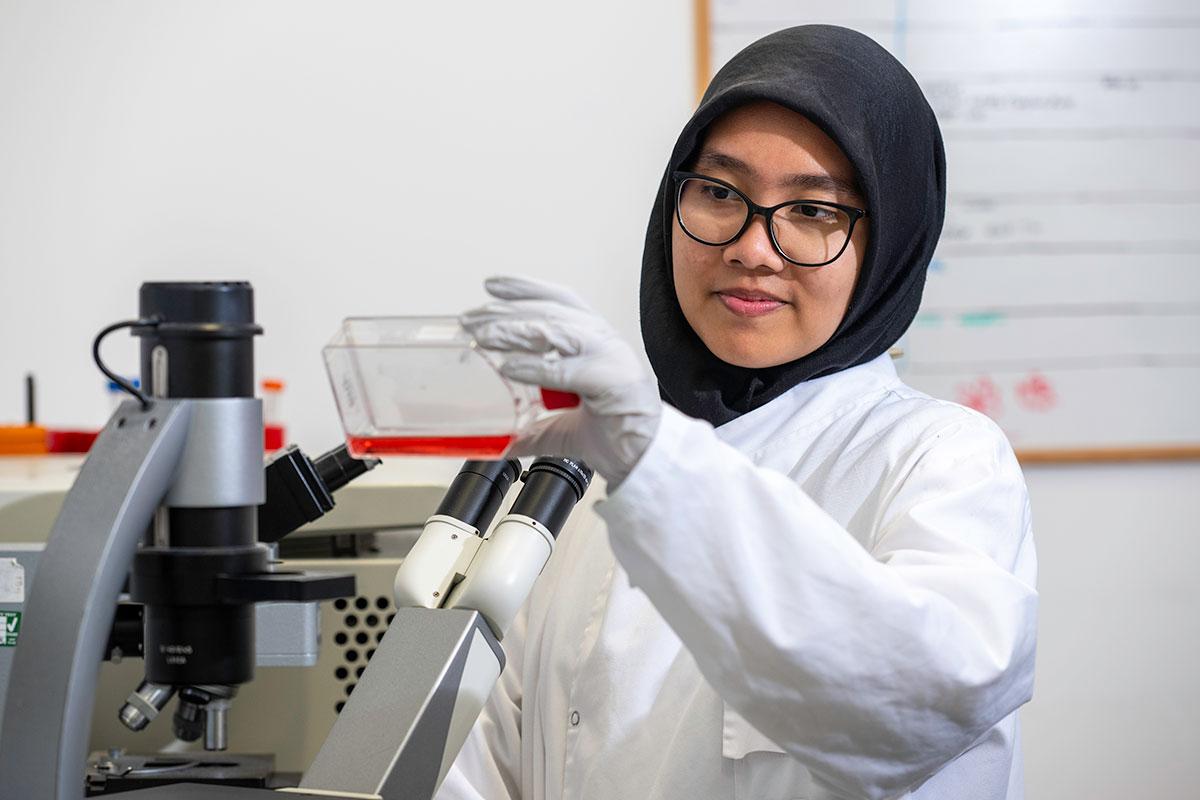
x=809, y=403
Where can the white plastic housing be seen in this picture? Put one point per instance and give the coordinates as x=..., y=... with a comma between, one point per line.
x=503, y=572
x=442, y=553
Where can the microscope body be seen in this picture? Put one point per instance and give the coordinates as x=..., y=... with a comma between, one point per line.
x=169, y=498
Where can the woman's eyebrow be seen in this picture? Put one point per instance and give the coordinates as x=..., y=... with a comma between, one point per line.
x=802, y=181
x=712, y=158
x=825, y=183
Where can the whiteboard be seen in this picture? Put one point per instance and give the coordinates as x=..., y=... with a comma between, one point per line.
x=1064, y=297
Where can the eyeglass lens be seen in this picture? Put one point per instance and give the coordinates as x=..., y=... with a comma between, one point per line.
x=804, y=232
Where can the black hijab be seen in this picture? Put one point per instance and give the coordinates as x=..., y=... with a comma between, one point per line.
x=869, y=104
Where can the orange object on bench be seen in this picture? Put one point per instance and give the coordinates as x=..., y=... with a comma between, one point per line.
x=22, y=440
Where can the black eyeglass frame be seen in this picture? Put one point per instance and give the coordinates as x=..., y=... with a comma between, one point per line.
x=754, y=209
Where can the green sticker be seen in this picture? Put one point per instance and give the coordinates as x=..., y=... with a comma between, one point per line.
x=10, y=628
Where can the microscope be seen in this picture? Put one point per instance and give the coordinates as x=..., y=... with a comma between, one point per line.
x=174, y=505
x=457, y=592
x=167, y=505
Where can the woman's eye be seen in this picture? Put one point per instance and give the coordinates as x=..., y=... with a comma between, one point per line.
x=804, y=211
x=715, y=192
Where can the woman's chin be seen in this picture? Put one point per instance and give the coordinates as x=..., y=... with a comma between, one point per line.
x=753, y=354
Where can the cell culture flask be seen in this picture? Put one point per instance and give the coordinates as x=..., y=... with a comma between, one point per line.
x=421, y=386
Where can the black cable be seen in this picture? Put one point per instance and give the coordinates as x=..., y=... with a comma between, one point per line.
x=112, y=376
x=30, y=400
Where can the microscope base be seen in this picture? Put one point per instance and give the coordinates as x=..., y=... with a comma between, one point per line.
x=112, y=774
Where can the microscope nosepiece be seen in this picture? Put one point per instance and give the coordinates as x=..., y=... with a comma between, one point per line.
x=144, y=704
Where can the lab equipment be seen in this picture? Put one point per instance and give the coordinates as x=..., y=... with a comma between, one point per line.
x=307, y=656
x=171, y=490
x=401, y=737
x=274, y=432
x=180, y=473
x=420, y=386
x=298, y=490
x=398, y=740
x=22, y=440
x=18, y=563
x=29, y=438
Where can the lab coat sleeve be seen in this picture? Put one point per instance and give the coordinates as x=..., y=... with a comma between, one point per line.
x=872, y=666
x=489, y=765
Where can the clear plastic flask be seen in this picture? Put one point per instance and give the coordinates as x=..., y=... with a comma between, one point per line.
x=421, y=386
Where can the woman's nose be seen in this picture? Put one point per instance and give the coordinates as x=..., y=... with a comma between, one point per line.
x=753, y=250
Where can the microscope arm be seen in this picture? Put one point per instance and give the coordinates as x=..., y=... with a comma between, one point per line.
x=47, y=718
x=412, y=708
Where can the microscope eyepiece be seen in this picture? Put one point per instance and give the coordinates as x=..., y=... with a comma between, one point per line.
x=502, y=573
x=477, y=491
x=553, y=485
x=337, y=467
x=451, y=536
x=577, y=473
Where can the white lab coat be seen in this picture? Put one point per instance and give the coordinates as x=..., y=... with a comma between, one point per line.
x=829, y=597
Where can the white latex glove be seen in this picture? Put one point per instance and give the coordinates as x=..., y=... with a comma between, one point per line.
x=620, y=407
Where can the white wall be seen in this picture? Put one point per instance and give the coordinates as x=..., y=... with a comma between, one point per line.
x=1114, y=713
x=347, y=158
x=373, y=157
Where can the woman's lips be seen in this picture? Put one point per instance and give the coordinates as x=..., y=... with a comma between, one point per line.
x=749, y=305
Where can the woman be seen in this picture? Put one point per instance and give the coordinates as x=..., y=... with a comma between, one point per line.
x=831, y=592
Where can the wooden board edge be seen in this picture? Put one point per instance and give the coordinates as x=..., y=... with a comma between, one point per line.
x=703, y=44
x=1110, y=454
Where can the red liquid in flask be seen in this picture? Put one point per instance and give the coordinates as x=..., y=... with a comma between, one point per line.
x=479, y=446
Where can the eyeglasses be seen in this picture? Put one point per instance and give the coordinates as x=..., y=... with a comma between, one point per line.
x=807, y=233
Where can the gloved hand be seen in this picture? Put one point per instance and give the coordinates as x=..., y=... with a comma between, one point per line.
x=620, y=407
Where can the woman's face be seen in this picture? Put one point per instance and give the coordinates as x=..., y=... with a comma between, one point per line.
x=749, y=306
